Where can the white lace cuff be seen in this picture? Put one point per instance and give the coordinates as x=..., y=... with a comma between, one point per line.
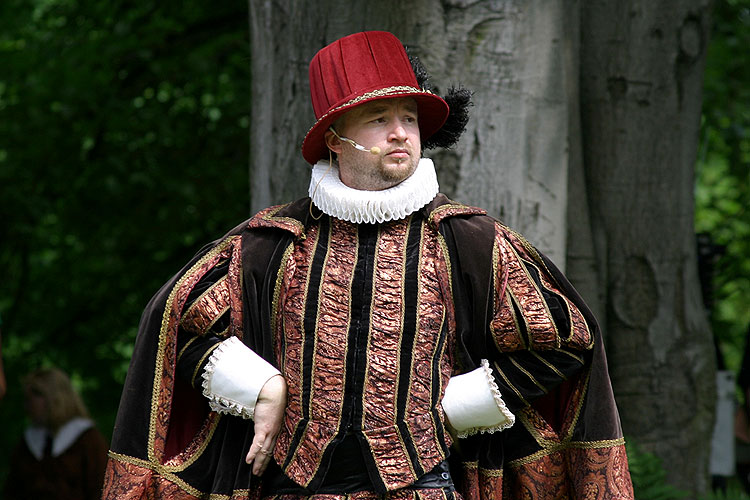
x=233, y=378
x=473, y=403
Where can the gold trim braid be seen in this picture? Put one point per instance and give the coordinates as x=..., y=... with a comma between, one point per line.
x=388, y=91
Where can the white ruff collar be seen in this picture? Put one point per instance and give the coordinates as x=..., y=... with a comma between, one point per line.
x=338, y=200
x=64, y=439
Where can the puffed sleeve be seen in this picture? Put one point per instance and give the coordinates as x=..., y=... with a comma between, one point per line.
x=210, y=357
x=539, y=338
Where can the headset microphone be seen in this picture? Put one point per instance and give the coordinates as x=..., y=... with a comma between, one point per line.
x=374, y=150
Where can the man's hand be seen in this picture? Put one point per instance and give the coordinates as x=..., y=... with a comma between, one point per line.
x=269, y=413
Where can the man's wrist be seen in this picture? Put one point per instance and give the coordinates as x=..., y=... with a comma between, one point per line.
x=275, y=386
x=234, y=378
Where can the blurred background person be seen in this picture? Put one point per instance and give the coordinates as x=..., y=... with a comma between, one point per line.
x=61, y=455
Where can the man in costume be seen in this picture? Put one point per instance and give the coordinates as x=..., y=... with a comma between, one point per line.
x=372, y=340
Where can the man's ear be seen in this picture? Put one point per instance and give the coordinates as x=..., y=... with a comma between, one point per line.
x=333, y=142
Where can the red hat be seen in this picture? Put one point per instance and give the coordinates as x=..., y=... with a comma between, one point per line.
x=360, y=68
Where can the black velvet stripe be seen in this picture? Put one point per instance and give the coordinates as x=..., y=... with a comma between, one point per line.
x=519, y=367
x=410, y=298
x=270, y=310
x=220, y=325
x=360, y=325
x=548, y=365
x=294, y=443
x=507, y=387
x=311, y=314
x=532, y=374
x=207, y=281
x=322, y=474
x=193, y=355
x=276, y=267
x=522, y=330
x=436, y=377
x=349, y=473
x=463, y=305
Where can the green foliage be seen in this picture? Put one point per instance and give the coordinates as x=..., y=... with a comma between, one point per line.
x=649, y=476
x=723, y=172
x=650, y=479
x=123, y=148
x=733, y=492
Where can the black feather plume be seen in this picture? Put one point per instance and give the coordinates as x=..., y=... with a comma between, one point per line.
x=423, y=79
x=459, y=102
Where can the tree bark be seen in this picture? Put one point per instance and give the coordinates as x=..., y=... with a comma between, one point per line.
x=514, y=157
x=641, y=78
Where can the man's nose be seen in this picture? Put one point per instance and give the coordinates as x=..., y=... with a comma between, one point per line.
x=398, y=132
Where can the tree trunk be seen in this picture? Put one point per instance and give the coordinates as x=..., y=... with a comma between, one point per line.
x=578, y=171
x=641, y=78
x=513, y=159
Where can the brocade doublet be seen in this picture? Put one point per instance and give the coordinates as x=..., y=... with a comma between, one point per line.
x=364, y=325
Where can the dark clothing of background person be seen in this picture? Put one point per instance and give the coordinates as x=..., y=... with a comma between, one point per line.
x=75, y=473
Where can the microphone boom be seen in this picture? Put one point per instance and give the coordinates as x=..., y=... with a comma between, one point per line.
x=374, y=150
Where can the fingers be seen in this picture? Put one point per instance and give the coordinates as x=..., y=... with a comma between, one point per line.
x=261, y=453
x=254, y=450
x=269, y=414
